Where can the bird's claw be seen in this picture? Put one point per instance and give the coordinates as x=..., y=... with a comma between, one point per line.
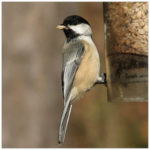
x=102, y=79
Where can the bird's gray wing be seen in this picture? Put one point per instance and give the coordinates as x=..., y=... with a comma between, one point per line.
x=71, y=60
x=72, y=56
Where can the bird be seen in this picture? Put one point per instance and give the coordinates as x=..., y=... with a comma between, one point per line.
x=80, y=67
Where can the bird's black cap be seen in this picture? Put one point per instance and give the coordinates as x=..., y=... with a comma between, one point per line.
x=74, y=20
x=71, y=20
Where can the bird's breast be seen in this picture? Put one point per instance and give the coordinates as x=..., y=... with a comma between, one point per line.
x=87, y=72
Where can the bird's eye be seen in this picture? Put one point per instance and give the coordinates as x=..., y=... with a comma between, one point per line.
x=66, y=28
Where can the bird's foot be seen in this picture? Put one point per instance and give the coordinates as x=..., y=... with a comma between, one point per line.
x=102, y=79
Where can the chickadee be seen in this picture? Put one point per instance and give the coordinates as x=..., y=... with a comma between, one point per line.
x=81, y=65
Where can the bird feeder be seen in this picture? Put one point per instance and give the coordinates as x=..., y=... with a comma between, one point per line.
x=126, y=50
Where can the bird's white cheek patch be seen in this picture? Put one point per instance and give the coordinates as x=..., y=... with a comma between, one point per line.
x=84, y=29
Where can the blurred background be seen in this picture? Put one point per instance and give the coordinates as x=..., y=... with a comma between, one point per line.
x=31, y=90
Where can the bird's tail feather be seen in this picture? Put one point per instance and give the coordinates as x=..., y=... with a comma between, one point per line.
x=64, y=122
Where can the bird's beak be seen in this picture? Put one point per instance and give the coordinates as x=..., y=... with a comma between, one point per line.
x=61, y=27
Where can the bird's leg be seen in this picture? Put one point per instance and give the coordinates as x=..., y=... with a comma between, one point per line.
x=102, y=79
